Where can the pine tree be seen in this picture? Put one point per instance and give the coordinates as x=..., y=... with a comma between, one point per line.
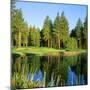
x=56, y=31
x=84, y=33
x=24, y=34
x=47, y=31
x=17, y=26
x=78, y=32
x=64, y=30
x=34, y=37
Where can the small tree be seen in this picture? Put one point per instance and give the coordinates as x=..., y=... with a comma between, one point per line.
x=71, y=44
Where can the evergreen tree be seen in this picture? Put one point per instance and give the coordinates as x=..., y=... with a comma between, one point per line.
x=64, y=30
x=47, y=31
x=78, y=32
x=72, y=43
x=24, y=34
x=38, y=37
x=17, y=27
x=34, y=37
x=54, y=35
x=85, y=35
x=73, y=33
x=56, y=31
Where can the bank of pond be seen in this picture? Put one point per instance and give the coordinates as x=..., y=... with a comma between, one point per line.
x=46, y=51
x=34, y=71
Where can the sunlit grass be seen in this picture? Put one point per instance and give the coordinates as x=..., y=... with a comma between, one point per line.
x=44, y=51
x=34, y=50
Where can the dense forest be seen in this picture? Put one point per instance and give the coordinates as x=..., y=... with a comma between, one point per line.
x=55, y=34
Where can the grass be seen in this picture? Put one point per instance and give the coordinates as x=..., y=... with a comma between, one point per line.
x=44, y=51
x=34, y=50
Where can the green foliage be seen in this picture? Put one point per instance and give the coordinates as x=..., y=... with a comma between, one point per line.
x=47, y=30
x=61, y=30
x=17, y=18
x=85, y=33
x=19, y=30
x=71, y=43
x=56, y=30
x=73, y=33
x=34, y=37
x=80, y=33
x=78, y=29
x=85, y=28
x=64, y=29
x=54, y=34
x=24, y=34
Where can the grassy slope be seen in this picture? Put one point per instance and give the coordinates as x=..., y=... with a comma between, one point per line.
x=42, y=50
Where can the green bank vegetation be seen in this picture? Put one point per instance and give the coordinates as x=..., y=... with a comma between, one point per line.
x=45, y=51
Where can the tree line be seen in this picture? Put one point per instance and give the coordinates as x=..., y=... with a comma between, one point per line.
x=52, y=35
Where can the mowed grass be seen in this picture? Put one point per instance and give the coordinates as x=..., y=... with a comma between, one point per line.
x=42, y=50
x=35, y=50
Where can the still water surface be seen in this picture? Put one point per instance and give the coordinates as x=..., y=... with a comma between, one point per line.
x=52, y=70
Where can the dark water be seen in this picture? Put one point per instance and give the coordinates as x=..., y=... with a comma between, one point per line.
x=51, y=70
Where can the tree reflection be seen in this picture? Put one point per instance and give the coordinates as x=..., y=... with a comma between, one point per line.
x=46, y=71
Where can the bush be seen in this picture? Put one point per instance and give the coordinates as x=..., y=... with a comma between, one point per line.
x=71, y=44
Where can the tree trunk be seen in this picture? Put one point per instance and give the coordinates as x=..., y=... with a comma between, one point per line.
x=19, y=39
x=51, y=43
x=78, y=43
x=48, y=43
x=58, y=43
x=26, y=42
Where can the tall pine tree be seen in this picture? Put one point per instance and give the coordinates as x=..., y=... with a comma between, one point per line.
x=56, y=31
x=78, y=32
x=47, y=31
x=64, y=30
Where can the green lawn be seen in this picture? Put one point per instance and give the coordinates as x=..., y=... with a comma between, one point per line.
x=42, y=50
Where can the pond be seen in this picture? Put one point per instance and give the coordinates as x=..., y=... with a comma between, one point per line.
x=33, y=71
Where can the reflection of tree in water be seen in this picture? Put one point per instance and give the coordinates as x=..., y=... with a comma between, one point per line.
x=78, y=71
x=56, y=71
x=18, y=64
x=81, y=68
x=22, y=67
x=47, y=70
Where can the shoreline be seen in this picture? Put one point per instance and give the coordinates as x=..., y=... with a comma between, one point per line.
x=43, y=51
